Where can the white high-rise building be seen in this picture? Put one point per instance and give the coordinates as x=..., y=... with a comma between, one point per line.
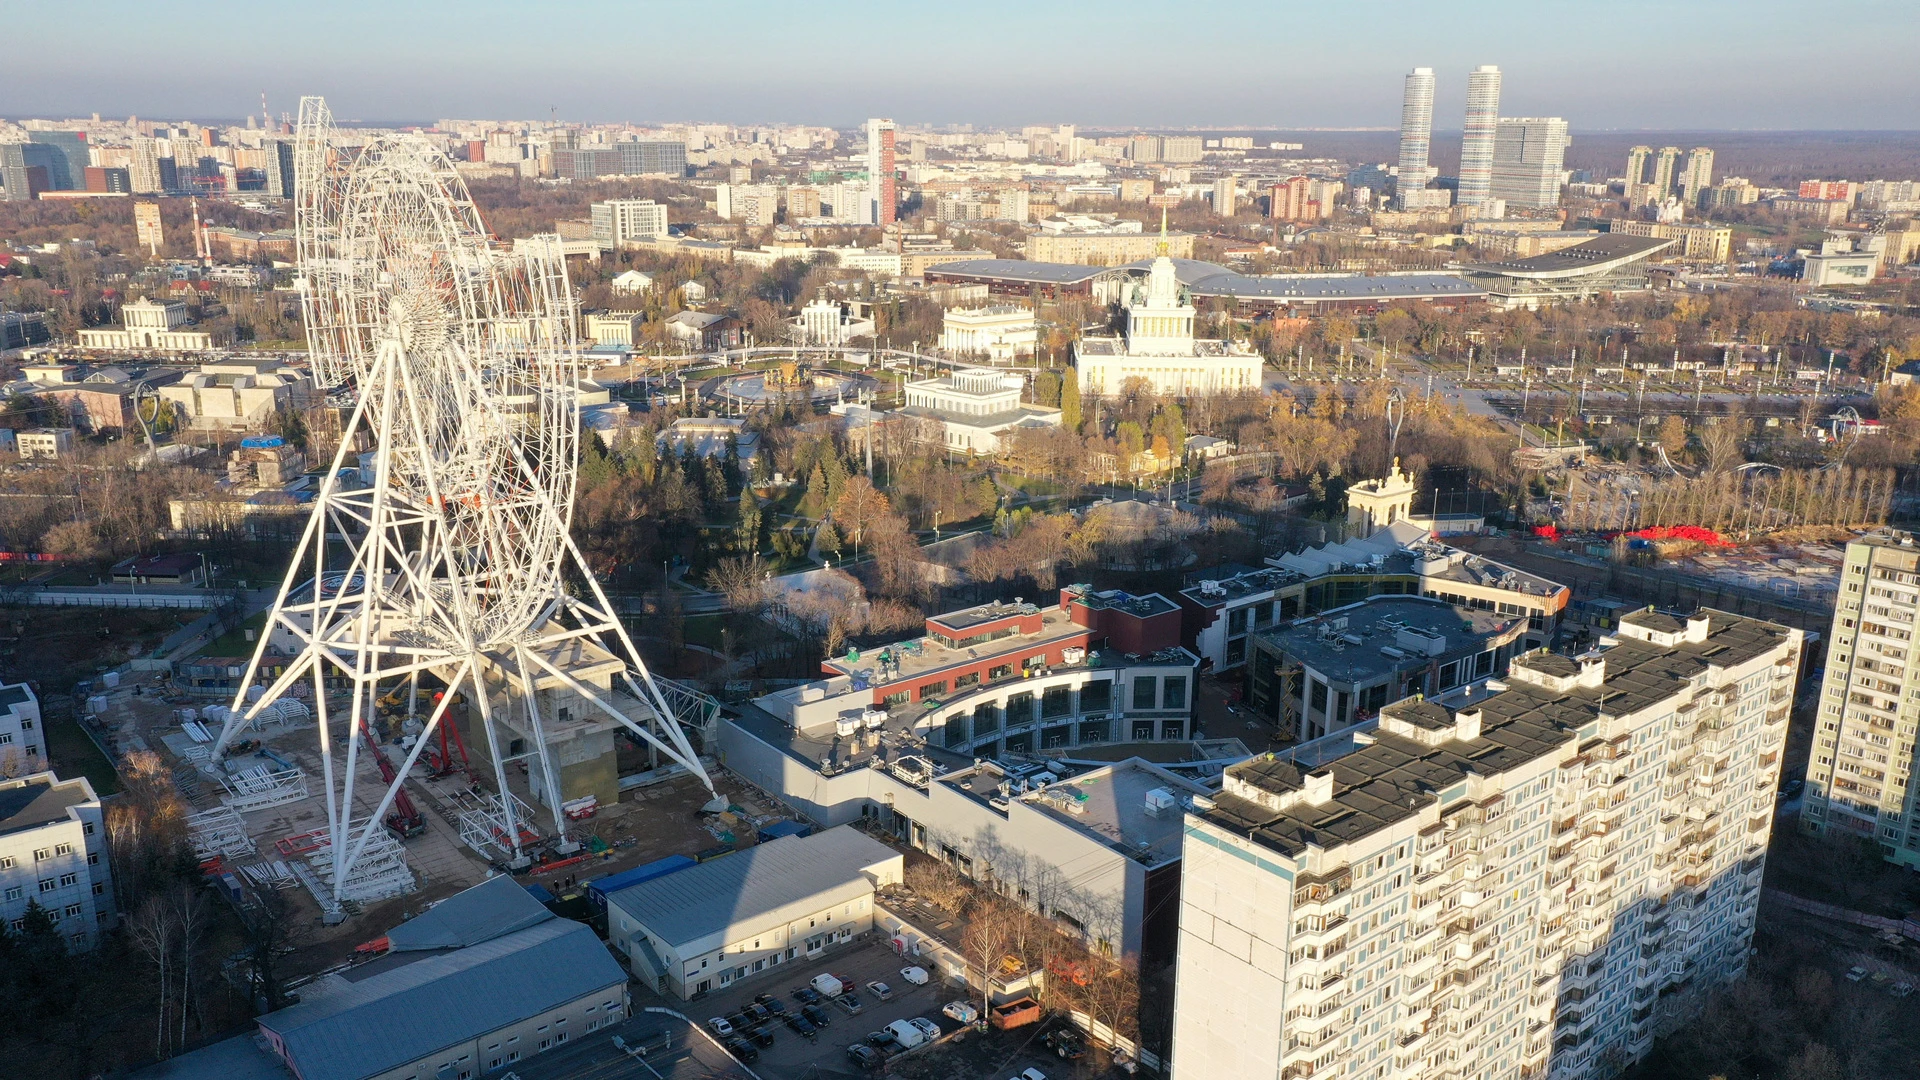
x=1696, y=176
x=1525, y=885
x=1476, y=145
x=1859, y=781
x=1226, y=193
x=1416, y=140
x=143, y=166
x=617, y=221
x=1529, y=158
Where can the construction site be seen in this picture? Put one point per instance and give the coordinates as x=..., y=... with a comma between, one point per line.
x=259, y=819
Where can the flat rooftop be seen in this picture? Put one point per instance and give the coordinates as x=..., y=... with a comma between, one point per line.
x=1345, y=644
x=1107, y=802
x=30, y=802
x=921, y=655
x=1391, y=777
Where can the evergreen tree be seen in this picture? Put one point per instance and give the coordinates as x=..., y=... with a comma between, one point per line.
x=828, y=539
x=1070, y=401
x=749, y=530
x=814, y=502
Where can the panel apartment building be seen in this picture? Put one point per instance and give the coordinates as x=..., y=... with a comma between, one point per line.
x=1859, y=778
x=1526, y=884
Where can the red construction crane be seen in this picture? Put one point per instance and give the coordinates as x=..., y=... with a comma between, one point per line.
x=402, y=819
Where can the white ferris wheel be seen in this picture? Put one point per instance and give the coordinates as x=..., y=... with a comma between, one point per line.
x=455, y=561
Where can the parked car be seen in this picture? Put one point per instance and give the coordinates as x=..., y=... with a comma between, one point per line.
x=882, y=1038
x=805, y=995
x=740, y=1021
x=770, y=1003
x=817, y=1015
x=961, y=1011
x=846, y=984
x=849, y=1002
x=801, y=1025
x=742, y=1049
x=828, y=984
x=864, y=1056
x=762, y=1035
x=720, y=1026
x=756, y=1010
x=927, y=1027
x=1030, y=1074
x=1856, y=973
x=915, y=975
x=880, y=990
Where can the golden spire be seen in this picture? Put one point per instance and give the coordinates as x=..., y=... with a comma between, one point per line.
x=1163, y=228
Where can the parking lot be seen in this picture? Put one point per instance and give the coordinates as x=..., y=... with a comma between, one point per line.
x=826, y=1052
x=991, y=1055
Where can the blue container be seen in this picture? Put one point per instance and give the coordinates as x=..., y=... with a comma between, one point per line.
x=600, y=888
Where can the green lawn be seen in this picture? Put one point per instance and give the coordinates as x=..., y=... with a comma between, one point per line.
x=703, y=630
x=71, y=751
x=234, y=642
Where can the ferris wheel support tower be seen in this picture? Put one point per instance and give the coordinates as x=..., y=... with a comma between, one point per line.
x=454, y=559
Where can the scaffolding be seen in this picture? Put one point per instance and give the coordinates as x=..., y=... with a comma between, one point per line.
x=380, y=872
x=218, y=832
x=257, y=788
x=486, y=827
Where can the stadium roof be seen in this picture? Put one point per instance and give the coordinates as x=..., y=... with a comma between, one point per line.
x=1212, y=279
x=409, y=1004
x=1602, y=254
x=681, y=908
x=1041, y=273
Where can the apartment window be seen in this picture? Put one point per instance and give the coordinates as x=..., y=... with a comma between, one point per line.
x=72, y=911
x=69, y=879
x=1001, y=671
x=6, y=863
x=897, y=698
x=42, y=854
x=933, y=689
x=1020, y=708
x=99, y=888
x=63, y=849
x=1145, y=690
x=971, y=678
x=93, y=858
x=1056, y=701
x=1096, y=696
x=1236, y=622
x=15, y=892
x=1174, y=695
x=47, y=885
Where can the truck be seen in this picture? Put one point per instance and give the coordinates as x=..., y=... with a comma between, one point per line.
x=906, y=1034
x=1019, y=1012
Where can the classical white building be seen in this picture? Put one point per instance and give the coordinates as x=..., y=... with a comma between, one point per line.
x=825, y=322
x=1534, y=883
x=53, y=851
x=1001, y=332
x=632, y=282
x=47, y=442
x=146, y=324
x=232, y=393
x=975, y=408
x=1159, y=346
x=614, y=327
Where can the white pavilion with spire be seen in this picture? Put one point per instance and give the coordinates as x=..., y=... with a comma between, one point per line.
x=1158, y=344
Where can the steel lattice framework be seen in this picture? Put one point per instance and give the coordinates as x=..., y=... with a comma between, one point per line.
x=463, y=366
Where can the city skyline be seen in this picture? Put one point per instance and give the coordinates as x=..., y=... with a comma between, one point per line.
x=773, y=73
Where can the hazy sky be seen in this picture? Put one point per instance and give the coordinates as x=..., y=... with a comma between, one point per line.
x=1678, y=64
